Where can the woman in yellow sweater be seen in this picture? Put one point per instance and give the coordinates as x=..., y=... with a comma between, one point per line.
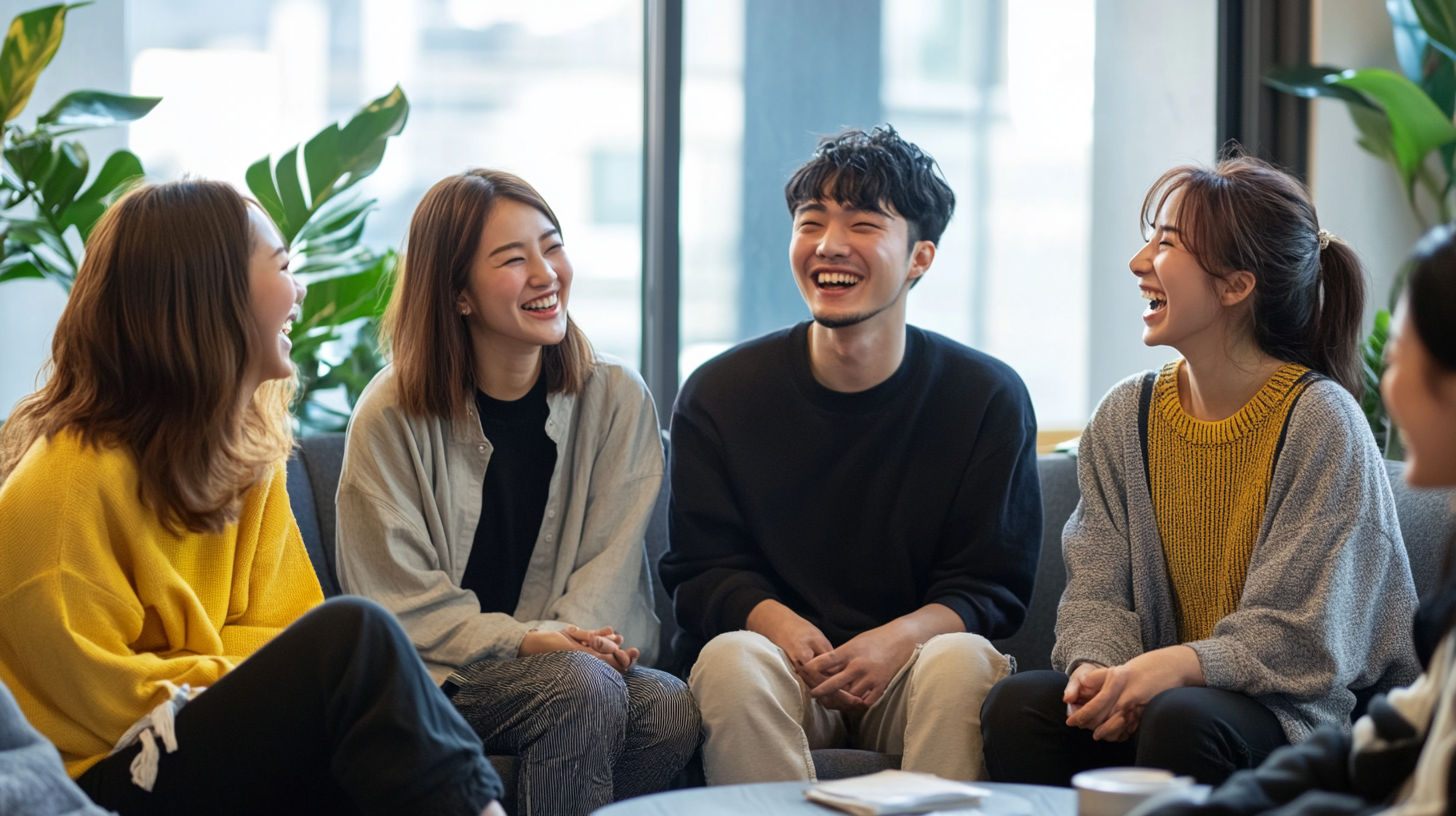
x=1235, y=572
x=159, y=618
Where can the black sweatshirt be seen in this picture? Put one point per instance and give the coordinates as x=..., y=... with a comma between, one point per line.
x=513, y=498
x=853, y=509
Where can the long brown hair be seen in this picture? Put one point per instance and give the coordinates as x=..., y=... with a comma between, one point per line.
x=1247, y=215
x=434, y=360
x=150, y=353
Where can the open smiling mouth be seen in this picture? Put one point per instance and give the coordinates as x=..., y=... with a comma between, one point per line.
x=541, y=304
x=835, y=280
x=1156, y=301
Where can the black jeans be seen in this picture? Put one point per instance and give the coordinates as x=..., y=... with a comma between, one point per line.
x=336, y=715
x=1200, y=732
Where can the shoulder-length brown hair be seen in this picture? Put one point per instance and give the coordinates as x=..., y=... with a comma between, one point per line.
x=1309, y=292
x=434, y=360
x=151, y=350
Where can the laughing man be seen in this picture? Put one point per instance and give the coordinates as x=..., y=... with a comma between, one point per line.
x=855, y=504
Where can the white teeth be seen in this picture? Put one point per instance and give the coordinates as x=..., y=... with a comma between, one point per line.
x=541, y=303
x=826, y=278
x=1149, y=294
x=287, y=328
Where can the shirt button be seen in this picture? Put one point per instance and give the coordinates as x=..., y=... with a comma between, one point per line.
x=551, y=514
x=549, y=536
x=481, y=448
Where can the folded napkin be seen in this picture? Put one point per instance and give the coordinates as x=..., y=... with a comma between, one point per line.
x=895, y=792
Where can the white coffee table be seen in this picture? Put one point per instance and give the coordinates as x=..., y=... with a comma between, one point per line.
x=787, y=799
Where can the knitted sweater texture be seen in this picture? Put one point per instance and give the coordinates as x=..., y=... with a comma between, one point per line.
x=1210, y=487
x=103, y=610
x=1326, y=605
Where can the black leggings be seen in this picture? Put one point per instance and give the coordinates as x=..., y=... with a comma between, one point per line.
x=336, y=715
x=1201, y=732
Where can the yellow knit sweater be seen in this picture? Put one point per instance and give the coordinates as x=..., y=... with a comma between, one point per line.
x=1210, y=484
x=101, y=607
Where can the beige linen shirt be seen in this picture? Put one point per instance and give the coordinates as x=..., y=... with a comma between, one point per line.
x=409, y=502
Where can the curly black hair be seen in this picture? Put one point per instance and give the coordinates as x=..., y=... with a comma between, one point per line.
x=866, y=170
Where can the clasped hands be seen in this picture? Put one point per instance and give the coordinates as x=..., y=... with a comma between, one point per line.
x=852, y=677
x=601, y=643
x=1109, y=700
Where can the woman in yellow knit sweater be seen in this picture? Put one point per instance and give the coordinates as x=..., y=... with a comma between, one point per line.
x=159, y=619
x=1235, y=572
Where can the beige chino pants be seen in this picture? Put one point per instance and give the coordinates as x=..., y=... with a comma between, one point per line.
x=760, y=723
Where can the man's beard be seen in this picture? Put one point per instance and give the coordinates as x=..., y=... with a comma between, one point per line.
x=847, y=320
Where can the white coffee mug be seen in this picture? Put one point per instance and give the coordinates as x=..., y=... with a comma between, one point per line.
x=1115, y=791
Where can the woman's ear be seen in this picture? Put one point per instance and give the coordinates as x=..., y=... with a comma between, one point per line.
x=462, y=305
x=1236, y=287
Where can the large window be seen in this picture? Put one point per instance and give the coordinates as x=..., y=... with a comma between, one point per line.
x=998, y=91
x=550, y=91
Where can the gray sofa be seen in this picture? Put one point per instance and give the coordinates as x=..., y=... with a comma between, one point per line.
x=313, y=478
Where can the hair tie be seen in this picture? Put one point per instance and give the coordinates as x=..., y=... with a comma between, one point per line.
x=1325, y=237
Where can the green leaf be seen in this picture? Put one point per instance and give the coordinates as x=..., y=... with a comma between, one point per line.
x=260, y=180
x=30, y=44
x=340, y=299
x=30, y=159
x=321, y=159
x=83, y=110
x=361, y=142
x=290, y=190
x=1438, y=18
x=1310, y=81
x=21, y=268
x=68, y=173
x=1417, y=126
x=121, y=169
x=83, y=215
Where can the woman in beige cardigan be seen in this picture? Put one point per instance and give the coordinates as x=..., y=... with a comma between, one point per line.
x=496, y=486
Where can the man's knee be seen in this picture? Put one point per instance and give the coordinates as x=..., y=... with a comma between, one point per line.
x=961, y=660
x=734, y=655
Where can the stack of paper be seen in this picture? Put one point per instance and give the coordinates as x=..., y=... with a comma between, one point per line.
x=895, y=792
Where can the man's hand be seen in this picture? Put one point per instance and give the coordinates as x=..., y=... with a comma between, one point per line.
x=801, y=640
x=1118, y=694
x=856, y=674
x=603, y=644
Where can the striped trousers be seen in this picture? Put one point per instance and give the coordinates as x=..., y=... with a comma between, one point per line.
x=584, y=734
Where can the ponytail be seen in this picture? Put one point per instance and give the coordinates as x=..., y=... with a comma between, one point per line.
x=1309, y=291
x=1333, y=348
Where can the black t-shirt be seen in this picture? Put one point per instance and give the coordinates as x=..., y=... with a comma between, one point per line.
x=513, y=501
x=853, y=508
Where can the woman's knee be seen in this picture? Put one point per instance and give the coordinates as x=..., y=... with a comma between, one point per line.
x=1009, y=700
x=663, y=704
x=1178, y=709
x=581, y=679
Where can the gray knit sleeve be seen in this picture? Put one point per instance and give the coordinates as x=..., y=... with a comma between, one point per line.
x=32, y=780
x=1327, y=604
x=1096, y=621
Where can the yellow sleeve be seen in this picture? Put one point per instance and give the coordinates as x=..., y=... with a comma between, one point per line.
x=69, y=523
x=274, y=582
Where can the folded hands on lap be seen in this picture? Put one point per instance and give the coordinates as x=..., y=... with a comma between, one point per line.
x=603, y=643
x=1109, y=700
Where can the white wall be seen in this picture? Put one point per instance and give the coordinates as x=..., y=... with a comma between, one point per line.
x=1155, y=78
x=1357, y=196
x=92, y=56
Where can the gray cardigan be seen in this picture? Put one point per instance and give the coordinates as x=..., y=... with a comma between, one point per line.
x=1327, y=605
x=409, y=502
